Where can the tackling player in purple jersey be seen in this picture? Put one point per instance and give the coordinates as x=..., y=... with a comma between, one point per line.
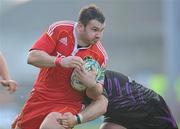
x=130, y=106
x=134, y=106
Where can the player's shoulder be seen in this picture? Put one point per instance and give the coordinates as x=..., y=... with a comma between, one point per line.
x=59, y=25
x=62, y=23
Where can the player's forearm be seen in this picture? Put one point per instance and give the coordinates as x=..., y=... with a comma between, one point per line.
x=95, y=109
x=95, y=91
x=3, y=69
x=41, y=59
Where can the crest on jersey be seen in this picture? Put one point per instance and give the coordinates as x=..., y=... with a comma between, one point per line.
x=87, y=58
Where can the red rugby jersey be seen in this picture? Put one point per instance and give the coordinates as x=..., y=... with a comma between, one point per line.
x=54, y=83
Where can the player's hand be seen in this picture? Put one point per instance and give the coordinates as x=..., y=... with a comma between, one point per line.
x=68, y=120
x=10, y=85
x=72, y=62
x=88, y=78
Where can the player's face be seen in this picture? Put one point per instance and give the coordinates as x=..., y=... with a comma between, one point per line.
x=92, y=32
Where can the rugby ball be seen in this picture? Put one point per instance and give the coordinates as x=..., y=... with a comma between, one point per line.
x=89, y=65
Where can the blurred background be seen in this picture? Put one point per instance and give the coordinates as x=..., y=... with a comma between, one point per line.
x=142, y=39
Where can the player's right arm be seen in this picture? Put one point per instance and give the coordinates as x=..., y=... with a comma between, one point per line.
x=41, y=59
x=40, y=55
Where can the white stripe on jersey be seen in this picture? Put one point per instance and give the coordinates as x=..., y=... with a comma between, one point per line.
x=59, y=23
x=101, y=48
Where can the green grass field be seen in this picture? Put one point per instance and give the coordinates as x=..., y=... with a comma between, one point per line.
x=87, y=127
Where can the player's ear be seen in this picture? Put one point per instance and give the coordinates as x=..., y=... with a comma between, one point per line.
x=80, y=27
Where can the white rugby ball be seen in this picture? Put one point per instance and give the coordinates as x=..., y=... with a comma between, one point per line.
x=89, y=65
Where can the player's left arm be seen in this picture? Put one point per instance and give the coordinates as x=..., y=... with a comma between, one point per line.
x=93, y=110
x=94, y=87
x=95, y=91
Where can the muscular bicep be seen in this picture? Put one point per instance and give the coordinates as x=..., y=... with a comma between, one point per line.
x=40, y=59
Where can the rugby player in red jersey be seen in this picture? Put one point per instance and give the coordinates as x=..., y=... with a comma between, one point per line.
x=57, y=53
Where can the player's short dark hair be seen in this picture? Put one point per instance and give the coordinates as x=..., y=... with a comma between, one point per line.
x=91, y=12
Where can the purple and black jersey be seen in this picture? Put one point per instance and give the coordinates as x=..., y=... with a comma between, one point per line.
x=135, y=106
x=126, y=93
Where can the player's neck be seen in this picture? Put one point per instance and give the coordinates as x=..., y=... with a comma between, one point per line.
x=81, y=43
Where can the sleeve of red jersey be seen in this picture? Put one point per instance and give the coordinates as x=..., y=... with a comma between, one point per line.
x=47, y=42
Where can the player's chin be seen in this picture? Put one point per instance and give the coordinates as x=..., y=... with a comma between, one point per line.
x=94, y=41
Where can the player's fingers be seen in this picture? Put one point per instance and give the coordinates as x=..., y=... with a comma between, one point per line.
x=66, y=127
x=65, y=123
x=93, y=70
x=12, y=88
x=59, y=121
x=78, y=73
x=9, y=88
x=4, y=82
x=74, y=64
x=79, y=60
x=13, y=82
x=83, y=70
x=78, y=65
